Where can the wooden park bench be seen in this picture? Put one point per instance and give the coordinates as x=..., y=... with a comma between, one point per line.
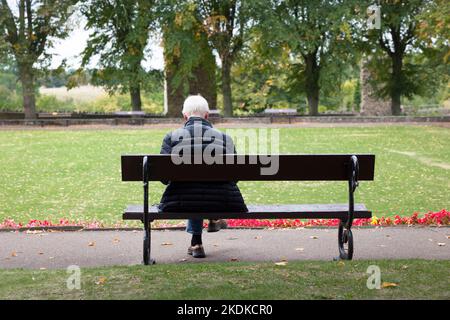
x=339, y=167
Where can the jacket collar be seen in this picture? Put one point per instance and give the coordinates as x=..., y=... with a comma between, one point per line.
x=192, y=120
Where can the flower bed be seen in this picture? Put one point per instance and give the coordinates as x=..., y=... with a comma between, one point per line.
x=441, y=218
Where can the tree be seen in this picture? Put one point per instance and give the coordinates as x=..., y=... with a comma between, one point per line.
x=120, y=33
x=315, y=34
x=397, y=70
x=226, y=22
x=190, y=65
x=27, y=31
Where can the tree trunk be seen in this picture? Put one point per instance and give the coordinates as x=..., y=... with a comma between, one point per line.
x=135, y=94
x=397, y=73
x=312, y=88
x=226, y=88
x=29, y=98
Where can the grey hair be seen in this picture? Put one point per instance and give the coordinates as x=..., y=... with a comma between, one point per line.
x=195, y=105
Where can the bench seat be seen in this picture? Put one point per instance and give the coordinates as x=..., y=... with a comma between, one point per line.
x=287, y=211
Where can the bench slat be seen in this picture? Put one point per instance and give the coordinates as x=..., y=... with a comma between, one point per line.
x=320, y=167
x=288, y=211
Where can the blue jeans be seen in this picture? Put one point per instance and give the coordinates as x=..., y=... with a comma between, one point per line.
x=194, y=226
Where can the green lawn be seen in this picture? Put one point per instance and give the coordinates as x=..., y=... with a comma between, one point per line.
x=415, y=279
x=75, y=174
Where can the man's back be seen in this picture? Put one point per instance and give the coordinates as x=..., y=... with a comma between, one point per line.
x=196, y=137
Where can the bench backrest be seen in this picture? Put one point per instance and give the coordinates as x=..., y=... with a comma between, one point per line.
x=326, y=167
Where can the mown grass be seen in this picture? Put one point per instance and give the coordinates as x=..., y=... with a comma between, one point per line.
x=75, y=174
x=415, y=279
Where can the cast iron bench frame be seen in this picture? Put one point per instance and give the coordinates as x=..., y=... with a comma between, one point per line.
x=323, y=167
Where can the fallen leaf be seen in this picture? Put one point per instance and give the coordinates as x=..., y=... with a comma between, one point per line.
x=314, y=237
x=182, y=260
x=341, y=263
x=100, y=280
x=231, y=238
x=234, y=259
x=389, y=285
x=40, y=253
x=33, y=231
x=258, y=237
x=166, y=243
x=51, y=258
x=441, y=244
x=42, y=268
x=448, y=237
x=13, y=254
x=299, y=249
x=405, y=267
x=282, y=263
x=116, y=240
x=91, y=244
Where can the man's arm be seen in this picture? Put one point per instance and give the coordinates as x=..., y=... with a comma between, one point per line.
x=166, y=148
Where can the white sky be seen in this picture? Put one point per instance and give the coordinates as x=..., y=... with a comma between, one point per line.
x=71, y=48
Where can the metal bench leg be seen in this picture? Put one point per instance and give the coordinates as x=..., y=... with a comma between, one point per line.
x=147, y=223
x=147, y=244
x=345, y=235
x=345, y=242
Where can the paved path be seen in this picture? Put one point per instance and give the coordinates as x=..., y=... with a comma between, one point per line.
x=103, y=248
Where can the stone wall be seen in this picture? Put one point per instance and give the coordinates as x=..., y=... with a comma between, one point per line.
x=371, y=105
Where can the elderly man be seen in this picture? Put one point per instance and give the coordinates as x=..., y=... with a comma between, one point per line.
x=198, y=134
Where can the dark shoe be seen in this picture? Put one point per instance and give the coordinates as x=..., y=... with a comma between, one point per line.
x=216, y=225
x=197, y=251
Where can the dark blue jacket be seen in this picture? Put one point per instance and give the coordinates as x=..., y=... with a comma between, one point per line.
x=200, y=196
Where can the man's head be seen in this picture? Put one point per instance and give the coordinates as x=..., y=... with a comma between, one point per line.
x=195, y=106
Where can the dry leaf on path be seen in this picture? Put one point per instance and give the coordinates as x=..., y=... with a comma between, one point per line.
x=13, y=254
x=166, y=243
x=299, y=249
x=91, y=244
x=234, y=259
x=314, y=237
x=441, y=244
x=282, y=263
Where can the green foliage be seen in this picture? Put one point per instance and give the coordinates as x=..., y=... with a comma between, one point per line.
x=404, y=62
x=314, y=35
x=26, y=32
x=119, y=37
x=184, y=42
